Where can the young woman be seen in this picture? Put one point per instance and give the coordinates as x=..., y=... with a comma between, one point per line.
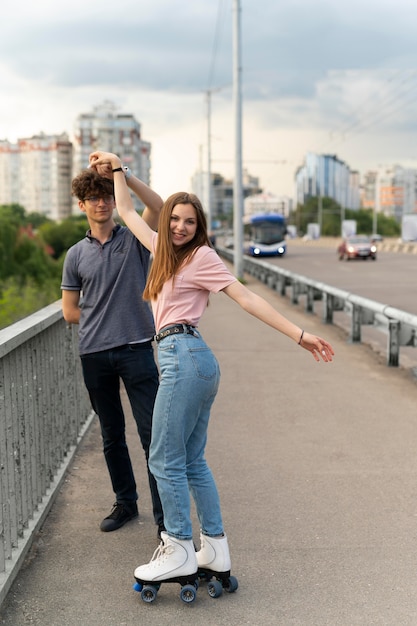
x=185, y=269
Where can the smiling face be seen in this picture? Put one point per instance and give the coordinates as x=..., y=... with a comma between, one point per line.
x=183, y=224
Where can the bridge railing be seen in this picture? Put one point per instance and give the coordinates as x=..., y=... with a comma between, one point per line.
x=399, y=326
x=44, y=410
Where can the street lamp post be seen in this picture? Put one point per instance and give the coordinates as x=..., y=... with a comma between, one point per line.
x=237, y=184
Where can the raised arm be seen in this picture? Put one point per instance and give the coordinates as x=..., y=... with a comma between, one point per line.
x=260, y=308
x=124, y=204
x=152, y=200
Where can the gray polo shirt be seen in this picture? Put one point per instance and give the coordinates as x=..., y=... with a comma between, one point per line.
x=111, y=278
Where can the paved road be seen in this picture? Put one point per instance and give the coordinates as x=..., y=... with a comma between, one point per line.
x=389, y=280
x=317, y=470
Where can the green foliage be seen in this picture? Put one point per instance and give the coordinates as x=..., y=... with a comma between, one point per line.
x=32, y=251
x=32, y=263
x=18, y=301
x=309, y=213
x=37, y=219
x=13, y=214
x=63, y=235
x=8, y=235
x=332, y=214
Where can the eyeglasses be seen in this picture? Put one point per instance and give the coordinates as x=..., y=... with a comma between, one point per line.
x=94, y=200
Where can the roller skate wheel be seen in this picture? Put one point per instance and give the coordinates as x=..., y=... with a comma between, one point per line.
x=231, y=584
x=137, y=587
x=214, y=589
x=148, y=593
x=188, y=593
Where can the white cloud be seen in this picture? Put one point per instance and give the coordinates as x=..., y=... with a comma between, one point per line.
x=322, y=76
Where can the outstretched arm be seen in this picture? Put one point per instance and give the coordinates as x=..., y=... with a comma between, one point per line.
x=260, y=308
x=124, y=204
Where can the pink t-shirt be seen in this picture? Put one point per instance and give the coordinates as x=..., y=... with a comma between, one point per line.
x=184, y=300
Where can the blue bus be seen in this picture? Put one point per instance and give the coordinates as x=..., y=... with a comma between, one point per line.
x=265, y=234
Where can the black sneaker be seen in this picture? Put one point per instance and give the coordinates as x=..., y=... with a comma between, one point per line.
x=121, y=513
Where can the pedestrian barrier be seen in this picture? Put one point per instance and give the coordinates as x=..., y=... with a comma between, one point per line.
x=400, y=326
x=44, y=412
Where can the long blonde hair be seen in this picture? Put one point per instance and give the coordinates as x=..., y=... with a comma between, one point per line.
x=168, y=258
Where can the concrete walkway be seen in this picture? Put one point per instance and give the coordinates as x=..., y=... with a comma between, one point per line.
x=317, y=470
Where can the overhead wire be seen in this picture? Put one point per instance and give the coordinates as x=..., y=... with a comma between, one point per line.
x=216, y=40
x=384, y=100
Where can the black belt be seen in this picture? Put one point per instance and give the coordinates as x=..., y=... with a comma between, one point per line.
x=174, y=330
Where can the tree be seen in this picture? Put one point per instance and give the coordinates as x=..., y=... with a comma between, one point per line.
x=62, y=236
x=331, y=216
x=8, y=234
x=13, y=214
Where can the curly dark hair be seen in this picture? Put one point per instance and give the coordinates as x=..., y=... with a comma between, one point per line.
x=90, y=183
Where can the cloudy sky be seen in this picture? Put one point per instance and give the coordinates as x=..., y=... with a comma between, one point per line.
x=325, y=76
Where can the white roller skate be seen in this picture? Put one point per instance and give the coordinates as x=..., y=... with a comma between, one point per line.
x=174, y=561
x=214, y=565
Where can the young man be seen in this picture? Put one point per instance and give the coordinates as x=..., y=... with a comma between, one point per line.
x=108, y=268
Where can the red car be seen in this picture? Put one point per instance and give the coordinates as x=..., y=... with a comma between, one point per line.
x=357, y=247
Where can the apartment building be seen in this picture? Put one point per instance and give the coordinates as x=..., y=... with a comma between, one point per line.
x=106, y=129
x=36, y=172
x=221, y=192
x=391, y=190
x=266, y=202
x=327, y=176
x=9, y=172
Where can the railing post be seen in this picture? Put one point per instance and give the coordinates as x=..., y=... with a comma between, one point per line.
x=281, y=286
x=294, y=293
x=356, y=324
x=393, y=342
x=310, y=300
x=328, y=308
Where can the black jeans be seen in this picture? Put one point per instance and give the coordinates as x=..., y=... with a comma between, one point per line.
x=135, y=365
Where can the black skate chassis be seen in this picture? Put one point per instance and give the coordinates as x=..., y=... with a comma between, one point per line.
x=217, y=581
x=148, y=589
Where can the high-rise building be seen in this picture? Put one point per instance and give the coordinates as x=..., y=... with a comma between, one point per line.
x=106, y=129
x=36, y=173
x=9, y=172
x=267, y=203
x=327, y=176
x=221, y=192
x=391, y=190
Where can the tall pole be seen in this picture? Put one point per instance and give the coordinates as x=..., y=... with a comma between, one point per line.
x=237, y=184
x=209, y=211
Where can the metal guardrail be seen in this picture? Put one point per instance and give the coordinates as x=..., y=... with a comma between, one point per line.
x=44, y=411
x=400, y=326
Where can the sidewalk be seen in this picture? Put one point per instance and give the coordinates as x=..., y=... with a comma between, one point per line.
x=316, y=466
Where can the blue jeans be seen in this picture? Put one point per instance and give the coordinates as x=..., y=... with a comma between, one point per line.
x=135, y=365
x=189, y=379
